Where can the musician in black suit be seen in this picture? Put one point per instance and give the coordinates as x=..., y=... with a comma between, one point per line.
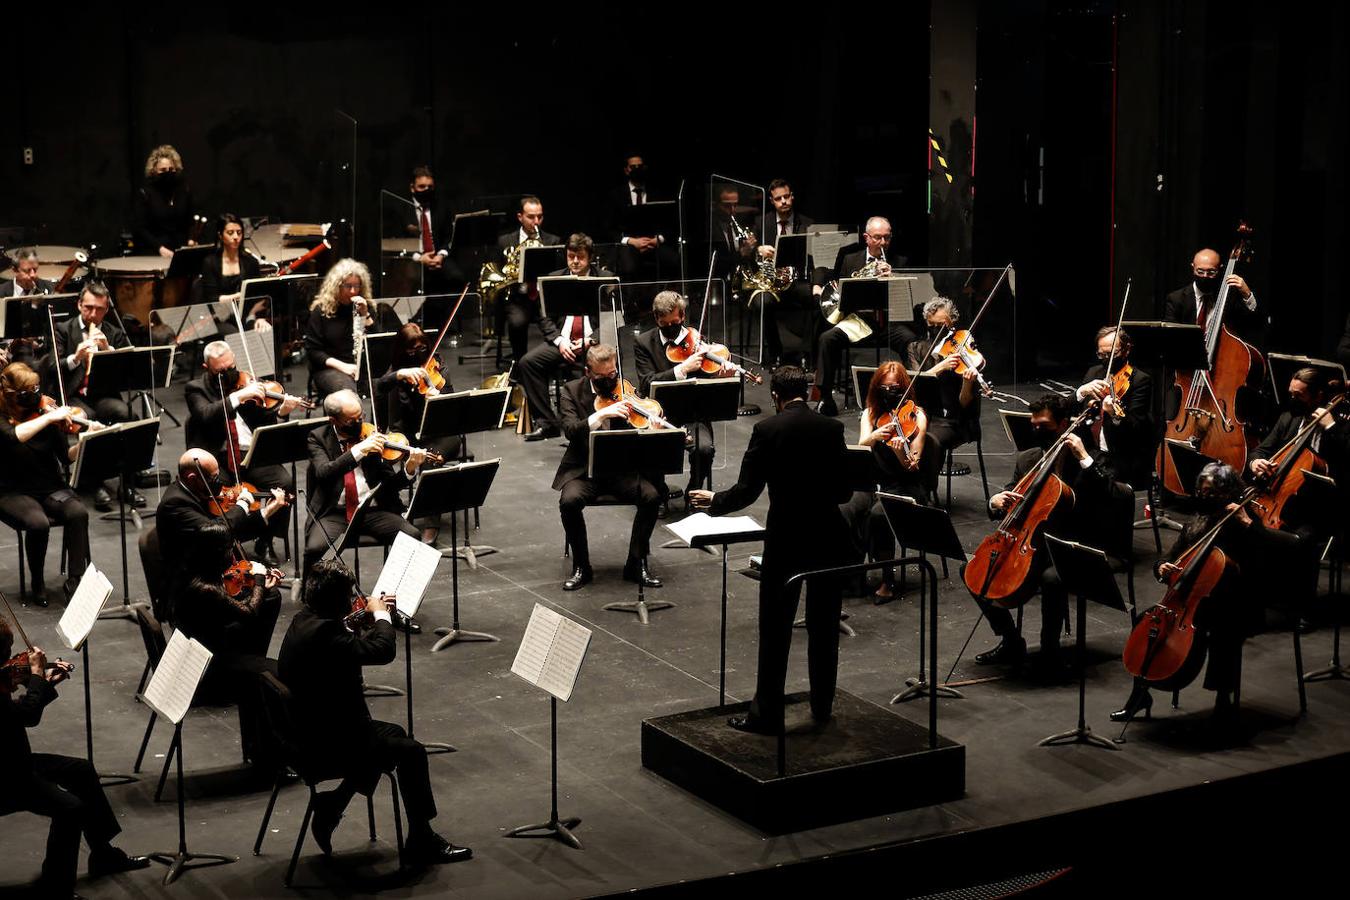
x=873, y=251
x=320, y=662
x=784, y=219
x=162, y=207
x=222, y=418
x=799, y=456
x=733, y=249
x=577, y=489
x=25, y=320
x=651, y=364
x=641, y=257
x=61, y=788
x=564, y=342
x=344, y=470
x=521, y=304
x=1124, y=443
x=432, y=223
x=1185, y=304
x=340, y=312
x=25, y=280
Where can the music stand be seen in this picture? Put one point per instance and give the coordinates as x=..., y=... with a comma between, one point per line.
x=1017, y=426
x=284, y=443
x=450, y=490
x=697, y=400
x=567, y=295
x=465, y=413
x=790, y=251
x=867, y=295
x=116, y=449
x=1085, y=574
x=1167, y=345
x=927, y=529
x=137, y=370
x=12, y=317
x=625, y=452
x=536, y=262
x=1284, y=365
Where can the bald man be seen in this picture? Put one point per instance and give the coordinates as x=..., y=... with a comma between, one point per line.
x=1186, y=305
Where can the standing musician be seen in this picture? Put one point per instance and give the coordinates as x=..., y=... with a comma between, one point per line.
x=338, y=319
x=651, y=363
x=564, y=343
x=640, y=257
x=225, y=407
x=1192, y=304
x=580, y=417
x=225, y=271
x=799, y=456
x=784, y=219
x=433, y=226
x=956, y=418
x=320, y=662
x=870, y=256
x=1100, y=517
x=33, y=487
x=522, y=300
x=163, y=205
x=899, y=460
x=345, y=468
x=1124, y=440
x=62, y=788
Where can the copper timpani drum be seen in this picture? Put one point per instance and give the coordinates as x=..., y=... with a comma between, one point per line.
x=53, y=260
x=135, y=282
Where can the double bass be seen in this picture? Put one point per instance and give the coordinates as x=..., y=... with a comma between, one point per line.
x=1208, y=420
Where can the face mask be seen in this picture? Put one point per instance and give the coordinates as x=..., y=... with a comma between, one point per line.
x=1208, y=286
x=1116, y=364
x=1300, y=407
x=28, y=399
x=1044, y=438
x=165, y=179
x=605, y=386
x=426, y=198
x=671, y=332
x=351, y=430
x=638, y=175
x=890, y=396
x=213, y=485
x=229, y=378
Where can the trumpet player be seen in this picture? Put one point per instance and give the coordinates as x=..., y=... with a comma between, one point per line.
x=522, y=301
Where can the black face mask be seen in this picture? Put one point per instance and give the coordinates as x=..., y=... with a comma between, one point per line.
x=1116, y=364
x=891, y=395
x=165, y=180
x=28, y=399
x=213, y=485
x=606, y=386
x=671, y=332
x=1044, y=438
x=1300, y=407
x=229, y=378
x=426, y=198
x=352, y=430
x=1208, y=286
x=638, y=175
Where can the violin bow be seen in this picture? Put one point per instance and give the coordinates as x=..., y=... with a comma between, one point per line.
x=1120, y=320
x=17, y=623
x=446, y=327
x=239, y=548
x=60, y=376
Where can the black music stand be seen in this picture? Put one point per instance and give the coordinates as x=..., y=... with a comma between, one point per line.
x=536, y=262
x=63, y=307
x=566, y=295
x=1017, y=426
x=450, y=490
x=187, y=261
x=1162, y=347
x=1086, y=574
x=465, y=413
x=1284, y=365
x=863, y=296
x=696, y=400
x=138, y=370
x=113, y=451
x=282, y=444
x=285, y=296
x=927, y=529
x=790, y=251
x=625, y=452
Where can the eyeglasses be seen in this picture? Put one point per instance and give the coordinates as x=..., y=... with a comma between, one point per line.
x=879, y=238
x=1206, y=273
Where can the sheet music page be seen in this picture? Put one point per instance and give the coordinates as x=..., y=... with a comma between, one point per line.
x=175, y=316
x=79, y=617
x=176, y=677
x=900, y=297
x=824, y=247
x=534, y=646
x=704, y=525
x=563, y=663
x=408, y=572
x=259, y=351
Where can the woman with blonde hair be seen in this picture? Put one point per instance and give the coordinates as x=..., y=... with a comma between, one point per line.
x=340, y=313
x=163, y=205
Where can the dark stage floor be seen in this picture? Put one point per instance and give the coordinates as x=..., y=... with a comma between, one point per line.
x=638, y=830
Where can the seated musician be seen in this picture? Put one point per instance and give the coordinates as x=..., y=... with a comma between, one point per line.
x=520, y=306
x=853, y=328
x=1100, y=517
x=340, y=313
x=784, y=219
x=579, y=418
x=1125, y=442
x=25, y=320
x=564, y=343
x=64, y=789
x=33, y=487
x=345, y=470
x=225, y=271
x=956, y=419
x=224, y=409
x=163, y=207
x=77, y=339
x=1192, y=304
x=651, y=364
x=320, y=662
x=899, y=467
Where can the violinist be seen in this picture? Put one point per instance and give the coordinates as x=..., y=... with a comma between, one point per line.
x=225, y=407
x=1192, y=304
x=62, y=788
x=956, y=418
x=1100, y=517
x=397, y=391
x=1124, y=440
x=320, y=662
x=33, y=457
x=564, y=343
x=652, y=363
x=346, y=468
x=580, y=416
x=340, y=314
x=897, y=446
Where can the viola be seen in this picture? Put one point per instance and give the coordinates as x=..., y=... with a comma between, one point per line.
x=273, y=393
x=19, y=668
x=396, y=447
x=961, y=345
x=715, y=356
x=73, y=425
x=1120, y=383
x=1294, y=462
x=224, y=501
x=361, y=618
x=435, y=377
x=906, y=419
x=641, y=413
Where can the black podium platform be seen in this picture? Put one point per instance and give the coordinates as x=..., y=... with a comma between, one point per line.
x=866, y=762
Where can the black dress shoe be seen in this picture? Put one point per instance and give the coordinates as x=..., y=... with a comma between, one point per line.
x=325, y=821
x=1009, y=650
x=542, y=434
x=103, y=500
x=750, y=725
x=827, y=407
x=638, y=574
x=38, y=595
x=133, y=498
x=264, y=553
x=581, y=576
x=434, y=850
x=403, y=623
x=113, y=860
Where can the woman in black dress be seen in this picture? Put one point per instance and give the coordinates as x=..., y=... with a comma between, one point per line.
x=163, y=205
x=224, y=272
x=340, y=312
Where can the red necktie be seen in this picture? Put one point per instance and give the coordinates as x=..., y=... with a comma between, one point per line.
x=427, y=245
x=782, y=227
x=1202, y=317
x=235, y=454
x=349, y=491
x=578, y=329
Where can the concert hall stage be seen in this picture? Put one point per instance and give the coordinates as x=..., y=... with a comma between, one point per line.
x=1025, y=807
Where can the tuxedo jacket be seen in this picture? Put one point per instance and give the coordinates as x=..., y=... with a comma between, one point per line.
x=68, y=336
x=578, y=402
x=325, y=479
x=766, y=226
x=17, y=715
x=1132, y=438
x=1102, y=513
x=1179, y=306
x=207, y=411
x=10, y=288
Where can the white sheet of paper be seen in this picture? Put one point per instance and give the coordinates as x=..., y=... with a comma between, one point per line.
x=703, y=525
x=176, y=677
x=407, y=573
x=551, y=652
x=79, y=618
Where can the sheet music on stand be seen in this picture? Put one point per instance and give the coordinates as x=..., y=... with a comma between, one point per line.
x=701, y=529
x=175, y=681
x=407, y=573
x=82, y=612
x=824, y=246
x=189, y=323
x=260, y=351
x=909, y=291
x=551, y=652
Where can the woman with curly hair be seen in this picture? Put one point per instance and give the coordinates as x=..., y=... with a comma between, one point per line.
x=163, y=205
x=341, y=305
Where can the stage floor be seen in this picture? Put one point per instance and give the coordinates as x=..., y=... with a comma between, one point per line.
x=639, y=830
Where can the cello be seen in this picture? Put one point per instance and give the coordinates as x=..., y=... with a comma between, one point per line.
x=1207, y=419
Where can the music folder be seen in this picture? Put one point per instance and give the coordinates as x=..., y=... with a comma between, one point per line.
x=790, y=250
x=282, y=443
x=464, y=412
x=626, y=451
x=106, y=453
x=1171, y=344
x=698, y=399
x=536, y=262
x=131, y=369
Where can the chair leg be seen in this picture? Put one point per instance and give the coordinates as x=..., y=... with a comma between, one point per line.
x=23, y=569
x=984, y=476
x=1153, y=514
x=950, y=457
x=267, y=816
x=370, y=812
x=145, y=742
x=1129, y=588
x=398, y=818
x=145, y=677
x=300, y=838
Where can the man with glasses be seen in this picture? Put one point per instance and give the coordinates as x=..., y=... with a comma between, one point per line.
x=1124, y=439
x=1192, y=304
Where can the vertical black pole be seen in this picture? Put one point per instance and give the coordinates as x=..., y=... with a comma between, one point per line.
x=122, y=523
x=722, y=692
x=931, y=575
x=1082, y=661
x=454, y=563
x=182, y=820
x=88, y=704
x=407, y=662
x=553, y=715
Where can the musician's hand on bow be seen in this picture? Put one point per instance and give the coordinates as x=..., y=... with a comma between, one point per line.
x=700, y=499
x=1323, y=418
x=1075, y=445
x=1003, y=499
x=1262, y=468
x=275, y=503
x=691, y=365
x=1237, y=282
x=1167, y=570
x=882, y=434
x=372, y=444
x=1095, y=390
x=1240, y=515
x=273, y=578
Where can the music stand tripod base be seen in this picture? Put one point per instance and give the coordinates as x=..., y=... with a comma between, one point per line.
x=917, y=687
x=640, y=606
x=449, y=636
x=844, y=628
x=1081, y=735
x=558, y=830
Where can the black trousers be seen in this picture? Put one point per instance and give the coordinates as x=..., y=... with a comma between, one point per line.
x=390, y=745
x=579, y=493
x=868, y=526
x=777, y=611
x=518, y=313
x=35, y=514
x=330, y=381
x=830, y=350
x=379, y=524
x=943, y=435
x=67, y=791
x=108, y=410
x=264, y=478
x=795, y=307
x=233, y=677
x=1054, y=610
x=702, y=450
x=536, y=370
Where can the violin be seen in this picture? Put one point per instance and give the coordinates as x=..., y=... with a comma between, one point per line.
x=1294, y=462
x=273, y=393
x=715, y=356
x=224, y=501
x=1120, y=383
x=434, y=377
x=361, y=618
x=961, y=345
x=641, y=413
x=905, y=418
x=19, y=668
x=72, y=425
x=396, y=447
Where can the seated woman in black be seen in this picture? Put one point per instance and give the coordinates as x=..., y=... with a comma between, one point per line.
x=33, y=488
x=340, y=313
x=225, y=271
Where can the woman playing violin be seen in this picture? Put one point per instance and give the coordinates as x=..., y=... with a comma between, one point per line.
x=33, y=457
x=402, y=391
